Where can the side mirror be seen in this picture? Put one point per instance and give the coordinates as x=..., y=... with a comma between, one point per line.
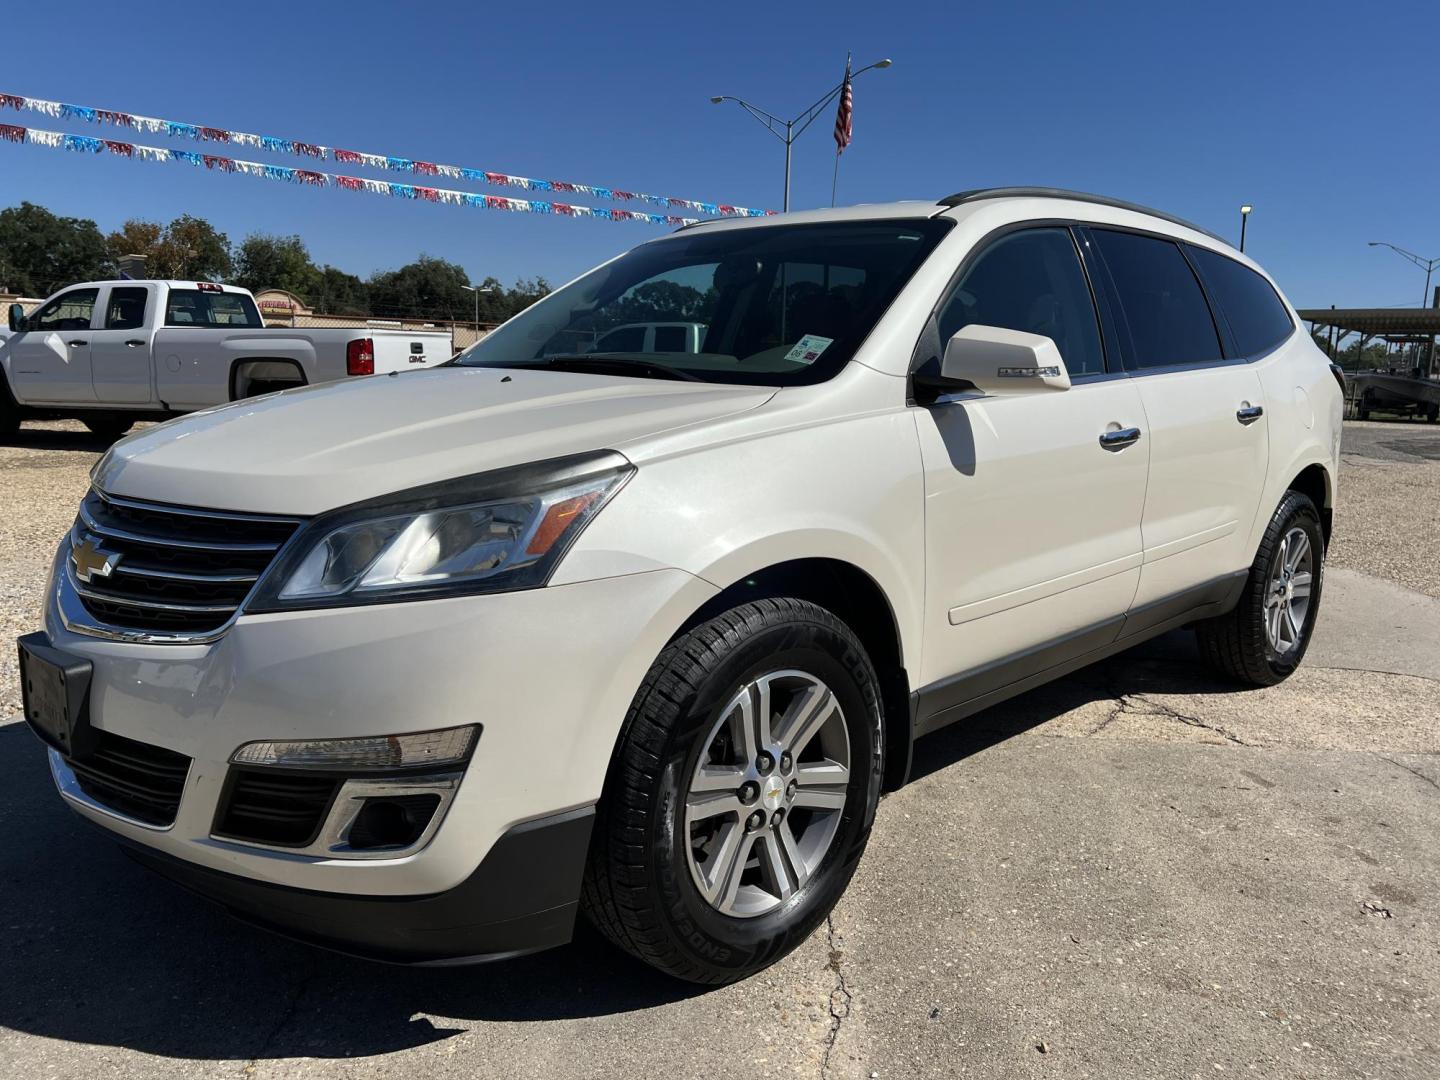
x=1000, y=362
x=17, y=318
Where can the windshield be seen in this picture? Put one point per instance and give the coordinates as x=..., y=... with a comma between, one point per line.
x=775, y=305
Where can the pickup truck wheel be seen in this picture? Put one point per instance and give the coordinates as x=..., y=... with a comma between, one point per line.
x=109, y=427
x=1262, y=641
x=741, y=794
x=9, y=411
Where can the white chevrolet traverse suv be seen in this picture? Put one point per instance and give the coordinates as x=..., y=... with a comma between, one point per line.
x=419, y=667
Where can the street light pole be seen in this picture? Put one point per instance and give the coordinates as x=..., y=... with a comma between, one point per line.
x=795, y=127
x=1244, y=217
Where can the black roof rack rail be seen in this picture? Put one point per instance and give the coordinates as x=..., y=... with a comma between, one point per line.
x=960, y=198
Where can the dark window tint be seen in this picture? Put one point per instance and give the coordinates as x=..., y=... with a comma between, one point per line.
x=125, y=310
x=1257, y=318
x=625, y=339
x=191, y=307
x=1030, y=281
x=1165, y=310
x=68, y=311
x=670, y=339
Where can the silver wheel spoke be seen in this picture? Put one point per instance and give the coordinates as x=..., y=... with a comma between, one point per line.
x=821, y=785
x=1301, y=585
x=775, y=867
x=1298, y=549
x=806, y=717
x=710, y=778
x=792, y=852
x=749, y=745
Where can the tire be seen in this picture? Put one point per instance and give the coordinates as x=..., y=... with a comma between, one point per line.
x=9, y=411
x=108, y=427
x=1432, y=413
x=656, y=838
x=1239, y=644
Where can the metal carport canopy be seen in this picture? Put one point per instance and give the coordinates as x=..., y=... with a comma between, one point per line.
x=1372, y=321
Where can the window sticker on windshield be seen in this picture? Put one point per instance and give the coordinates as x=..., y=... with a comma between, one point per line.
x=808, y=349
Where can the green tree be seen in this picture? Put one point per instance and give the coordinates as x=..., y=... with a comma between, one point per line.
x=189, y=247
x=428, y=288
x=276, y=262
x=337, y=293
x=41, y=252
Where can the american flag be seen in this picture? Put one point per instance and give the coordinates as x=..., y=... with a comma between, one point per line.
x=844, y=117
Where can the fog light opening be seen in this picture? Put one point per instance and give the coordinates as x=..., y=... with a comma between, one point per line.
x=396, y=821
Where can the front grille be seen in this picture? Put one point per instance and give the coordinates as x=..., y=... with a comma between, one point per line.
x=132, y=778
x=173, y=570
x=280, y=809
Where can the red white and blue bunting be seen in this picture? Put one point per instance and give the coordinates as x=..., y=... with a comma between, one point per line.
x=153, y=126
x=84, y=144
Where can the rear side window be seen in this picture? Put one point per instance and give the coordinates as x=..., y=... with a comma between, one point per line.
x=670, y=339
x=1030, y=281
x=191, y=307
x=125, y=310
x=1163, y=306
x=1257, y=318
x=625, y=339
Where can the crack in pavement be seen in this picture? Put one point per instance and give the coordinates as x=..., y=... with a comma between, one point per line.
x=1412, y=772
x=1125, y=704
x=291, y=1008
x=840, y=997
x=1374, y=671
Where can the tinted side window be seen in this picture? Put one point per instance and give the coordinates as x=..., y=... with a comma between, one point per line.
x=1257, y=318
x=1030, y=281
x=68, y=311
x=192, y=307
x=1163, y=305
x=125, y=310
x=670, y=339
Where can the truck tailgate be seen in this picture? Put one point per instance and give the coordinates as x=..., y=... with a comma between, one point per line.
x=405, y=350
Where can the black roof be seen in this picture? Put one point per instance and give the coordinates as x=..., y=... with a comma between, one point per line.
x=960, y=198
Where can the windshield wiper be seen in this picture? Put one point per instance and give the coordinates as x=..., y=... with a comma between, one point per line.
x=611, y=364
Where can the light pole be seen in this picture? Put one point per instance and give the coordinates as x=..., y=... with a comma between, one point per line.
x=794, y=128
x=1244, y=217
x=1428, y=265
x=477, y=290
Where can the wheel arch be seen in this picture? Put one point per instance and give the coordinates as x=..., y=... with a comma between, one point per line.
x=238, y=368
x=1314, y=481
x=857, y=599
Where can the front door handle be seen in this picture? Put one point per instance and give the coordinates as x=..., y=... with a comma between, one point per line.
x=75, y=344
x=1250, y=413
x=1118, y=440
x=135, y=343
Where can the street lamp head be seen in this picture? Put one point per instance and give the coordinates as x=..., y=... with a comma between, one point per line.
x=1374, y=243
x=883, y=63
x=1246, y=208
x=716, y=100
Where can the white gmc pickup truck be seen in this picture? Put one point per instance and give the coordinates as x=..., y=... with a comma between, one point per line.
x=112, y=352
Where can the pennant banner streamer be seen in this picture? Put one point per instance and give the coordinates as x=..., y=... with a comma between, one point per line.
x=152, y=126
x=83, y=144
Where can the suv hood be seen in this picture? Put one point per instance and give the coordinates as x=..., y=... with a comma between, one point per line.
x=309, y=450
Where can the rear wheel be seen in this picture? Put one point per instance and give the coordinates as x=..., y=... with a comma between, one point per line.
x=741, y=794
x=1262, y=641
x=9, y=411
x=108, y=427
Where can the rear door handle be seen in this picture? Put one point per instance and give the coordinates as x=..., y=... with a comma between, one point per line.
x=74, y=344
x=1118, y=440
x=135, y=343
x=1250, y=413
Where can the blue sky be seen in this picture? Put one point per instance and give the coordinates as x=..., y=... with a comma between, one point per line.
x=1191, y=108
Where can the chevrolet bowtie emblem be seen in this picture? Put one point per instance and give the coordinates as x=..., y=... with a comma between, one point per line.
x=90, y=560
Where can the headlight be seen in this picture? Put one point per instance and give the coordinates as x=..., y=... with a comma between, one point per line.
x=489, y=533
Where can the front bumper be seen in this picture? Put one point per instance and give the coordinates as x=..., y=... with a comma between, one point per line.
x=521, y=898
x=548, y=674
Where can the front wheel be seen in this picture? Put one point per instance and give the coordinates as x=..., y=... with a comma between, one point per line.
x=1262, y=641
x=741, y=794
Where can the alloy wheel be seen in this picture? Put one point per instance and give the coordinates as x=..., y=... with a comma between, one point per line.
x=766, y=795
x=1287, y=595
